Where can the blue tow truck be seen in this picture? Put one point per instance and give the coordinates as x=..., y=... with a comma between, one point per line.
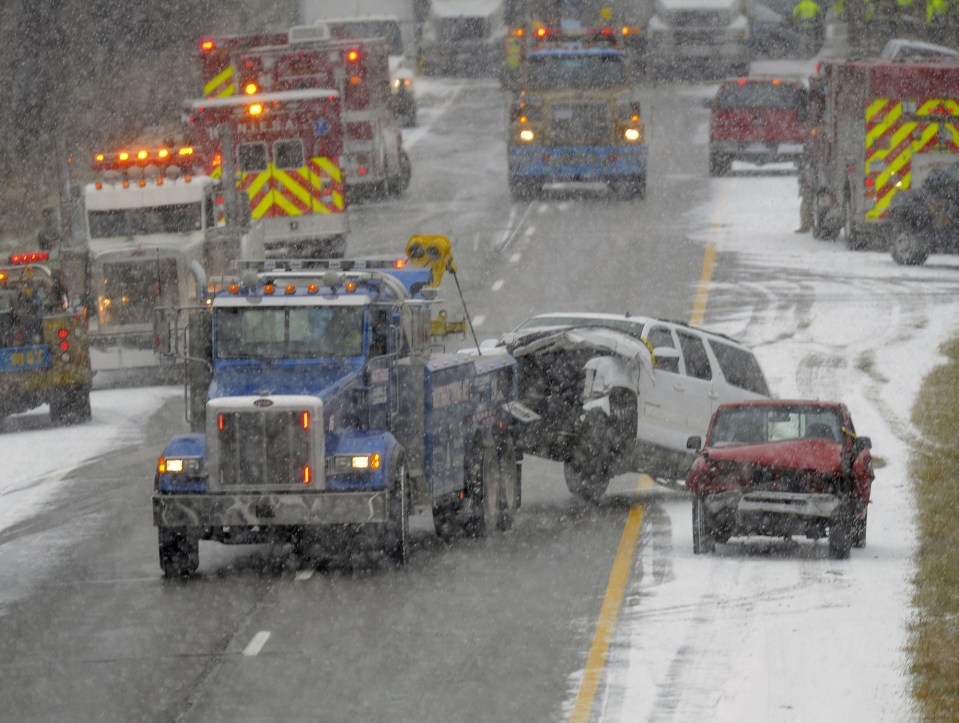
x=576, y=117
x=322, y=418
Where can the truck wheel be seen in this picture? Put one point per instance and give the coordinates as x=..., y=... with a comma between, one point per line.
x=179, y=551
x=854, y=238
x=719, y=164
x=587, y=470
x=508, y=485
x=907, y=246
x=841, y=533
x=401, y=181
x=70, y=406
x=587, y=485
x=703, y=541
x=399, y=544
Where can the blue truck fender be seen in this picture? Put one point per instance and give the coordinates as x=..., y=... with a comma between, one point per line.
x=182, y=466
x=361, y=443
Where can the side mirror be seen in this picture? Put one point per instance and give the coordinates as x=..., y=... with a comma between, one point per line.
x=863, y=443
x=694, y=443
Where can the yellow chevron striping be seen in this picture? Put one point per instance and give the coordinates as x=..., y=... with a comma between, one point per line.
x=904, y=132
x=330, y=168
x=286, y=204
x=882, y=127
x=263, y=206
x=292, y=185
x=218, y=80
x=254, y=188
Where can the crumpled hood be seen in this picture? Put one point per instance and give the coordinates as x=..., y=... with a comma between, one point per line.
x=821, y=456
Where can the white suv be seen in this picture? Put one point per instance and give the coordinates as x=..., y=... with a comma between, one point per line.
x=618, y=394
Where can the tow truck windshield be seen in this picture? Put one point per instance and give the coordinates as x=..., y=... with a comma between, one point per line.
x=178, y=218
x=289, y=332
x=576, y=70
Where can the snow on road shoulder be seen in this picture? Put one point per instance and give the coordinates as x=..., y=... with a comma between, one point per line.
x=39, y=458
x=767, y=629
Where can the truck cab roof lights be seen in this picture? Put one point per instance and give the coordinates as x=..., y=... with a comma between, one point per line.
x=349, y=287
x=289, y=290
x=312, y=289
x=268, y=289
x=29, y=257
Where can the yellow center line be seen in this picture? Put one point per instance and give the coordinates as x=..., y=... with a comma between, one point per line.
x=609, y=612
x=623, y=562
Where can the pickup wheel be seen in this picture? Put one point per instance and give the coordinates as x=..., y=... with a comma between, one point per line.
x=70, y=406
x=841, y=532
x=908, y=248
x=399, y=542
x=859, y=527
x=703, y=541
x=719, y=164
x=179, y=551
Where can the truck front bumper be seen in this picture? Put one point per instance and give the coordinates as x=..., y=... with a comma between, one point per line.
x=271, y=509
x=759, y=151
x=578, y=163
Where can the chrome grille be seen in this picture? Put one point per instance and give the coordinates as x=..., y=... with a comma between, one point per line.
x=579, y=123
x=269, y=448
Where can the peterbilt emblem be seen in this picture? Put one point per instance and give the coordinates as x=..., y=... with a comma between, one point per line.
x=263, y=403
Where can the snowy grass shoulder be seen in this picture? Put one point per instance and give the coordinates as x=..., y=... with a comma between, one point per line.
x=934, y=644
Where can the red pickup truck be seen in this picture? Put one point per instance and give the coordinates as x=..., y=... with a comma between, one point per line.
x=760, y=120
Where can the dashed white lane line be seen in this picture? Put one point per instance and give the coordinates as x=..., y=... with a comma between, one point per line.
x=515, y=258
x=304, y=575
x=478, y=321
x=498, y=284
x=256, y=644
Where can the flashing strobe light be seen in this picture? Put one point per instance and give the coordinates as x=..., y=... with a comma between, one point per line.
x=255, y=109
x=29, y=257
x=123, y=156
x=305, y=420
x=142, y=155
x=186, y=151
x=631, y=134
x=352, y=55
x=399, y=264
x=290, y=289
x=307, y=475
x=98, y=157
x=526, y=135
x=207, y=45
x=541, y=32
x=163, y=153
x=250, y=88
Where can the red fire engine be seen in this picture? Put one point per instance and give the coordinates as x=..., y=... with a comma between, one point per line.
x=374, y=161
x=285, y=150
x=878, y=127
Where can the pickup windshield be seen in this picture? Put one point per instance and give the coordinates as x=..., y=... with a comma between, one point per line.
x=576, y=70
x=761, y=424
x=289, y=333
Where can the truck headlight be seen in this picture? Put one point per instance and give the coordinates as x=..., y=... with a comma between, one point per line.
x=632, y=135
x=526, y=135
x=191, y=466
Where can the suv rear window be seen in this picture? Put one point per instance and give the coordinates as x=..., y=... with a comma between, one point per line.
x=739, y=367
x=736, y=96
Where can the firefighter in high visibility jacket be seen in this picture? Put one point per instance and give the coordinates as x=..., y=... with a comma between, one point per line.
x=937, y=12
x=808, y=19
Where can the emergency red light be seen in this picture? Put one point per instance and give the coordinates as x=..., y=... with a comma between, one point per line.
x=777, y=81
x=63, y=333
x=142, y=155
x=354, y=80
x=606, y=31
x=163, y=153
x=3, y=276
x=305, y=420
x=123, y=156
x=870, y=182
x=352, y=55
x=29, y=257
x=207, y=45
x=541, y=32
x=64, y=345
x=741, y=81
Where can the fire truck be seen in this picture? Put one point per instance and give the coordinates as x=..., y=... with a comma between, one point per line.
x=577, y=117
x=878, y=127
x=283, y=151
x=374, y=161
x=327, y=419
x=44, y=356
x=145, y=219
